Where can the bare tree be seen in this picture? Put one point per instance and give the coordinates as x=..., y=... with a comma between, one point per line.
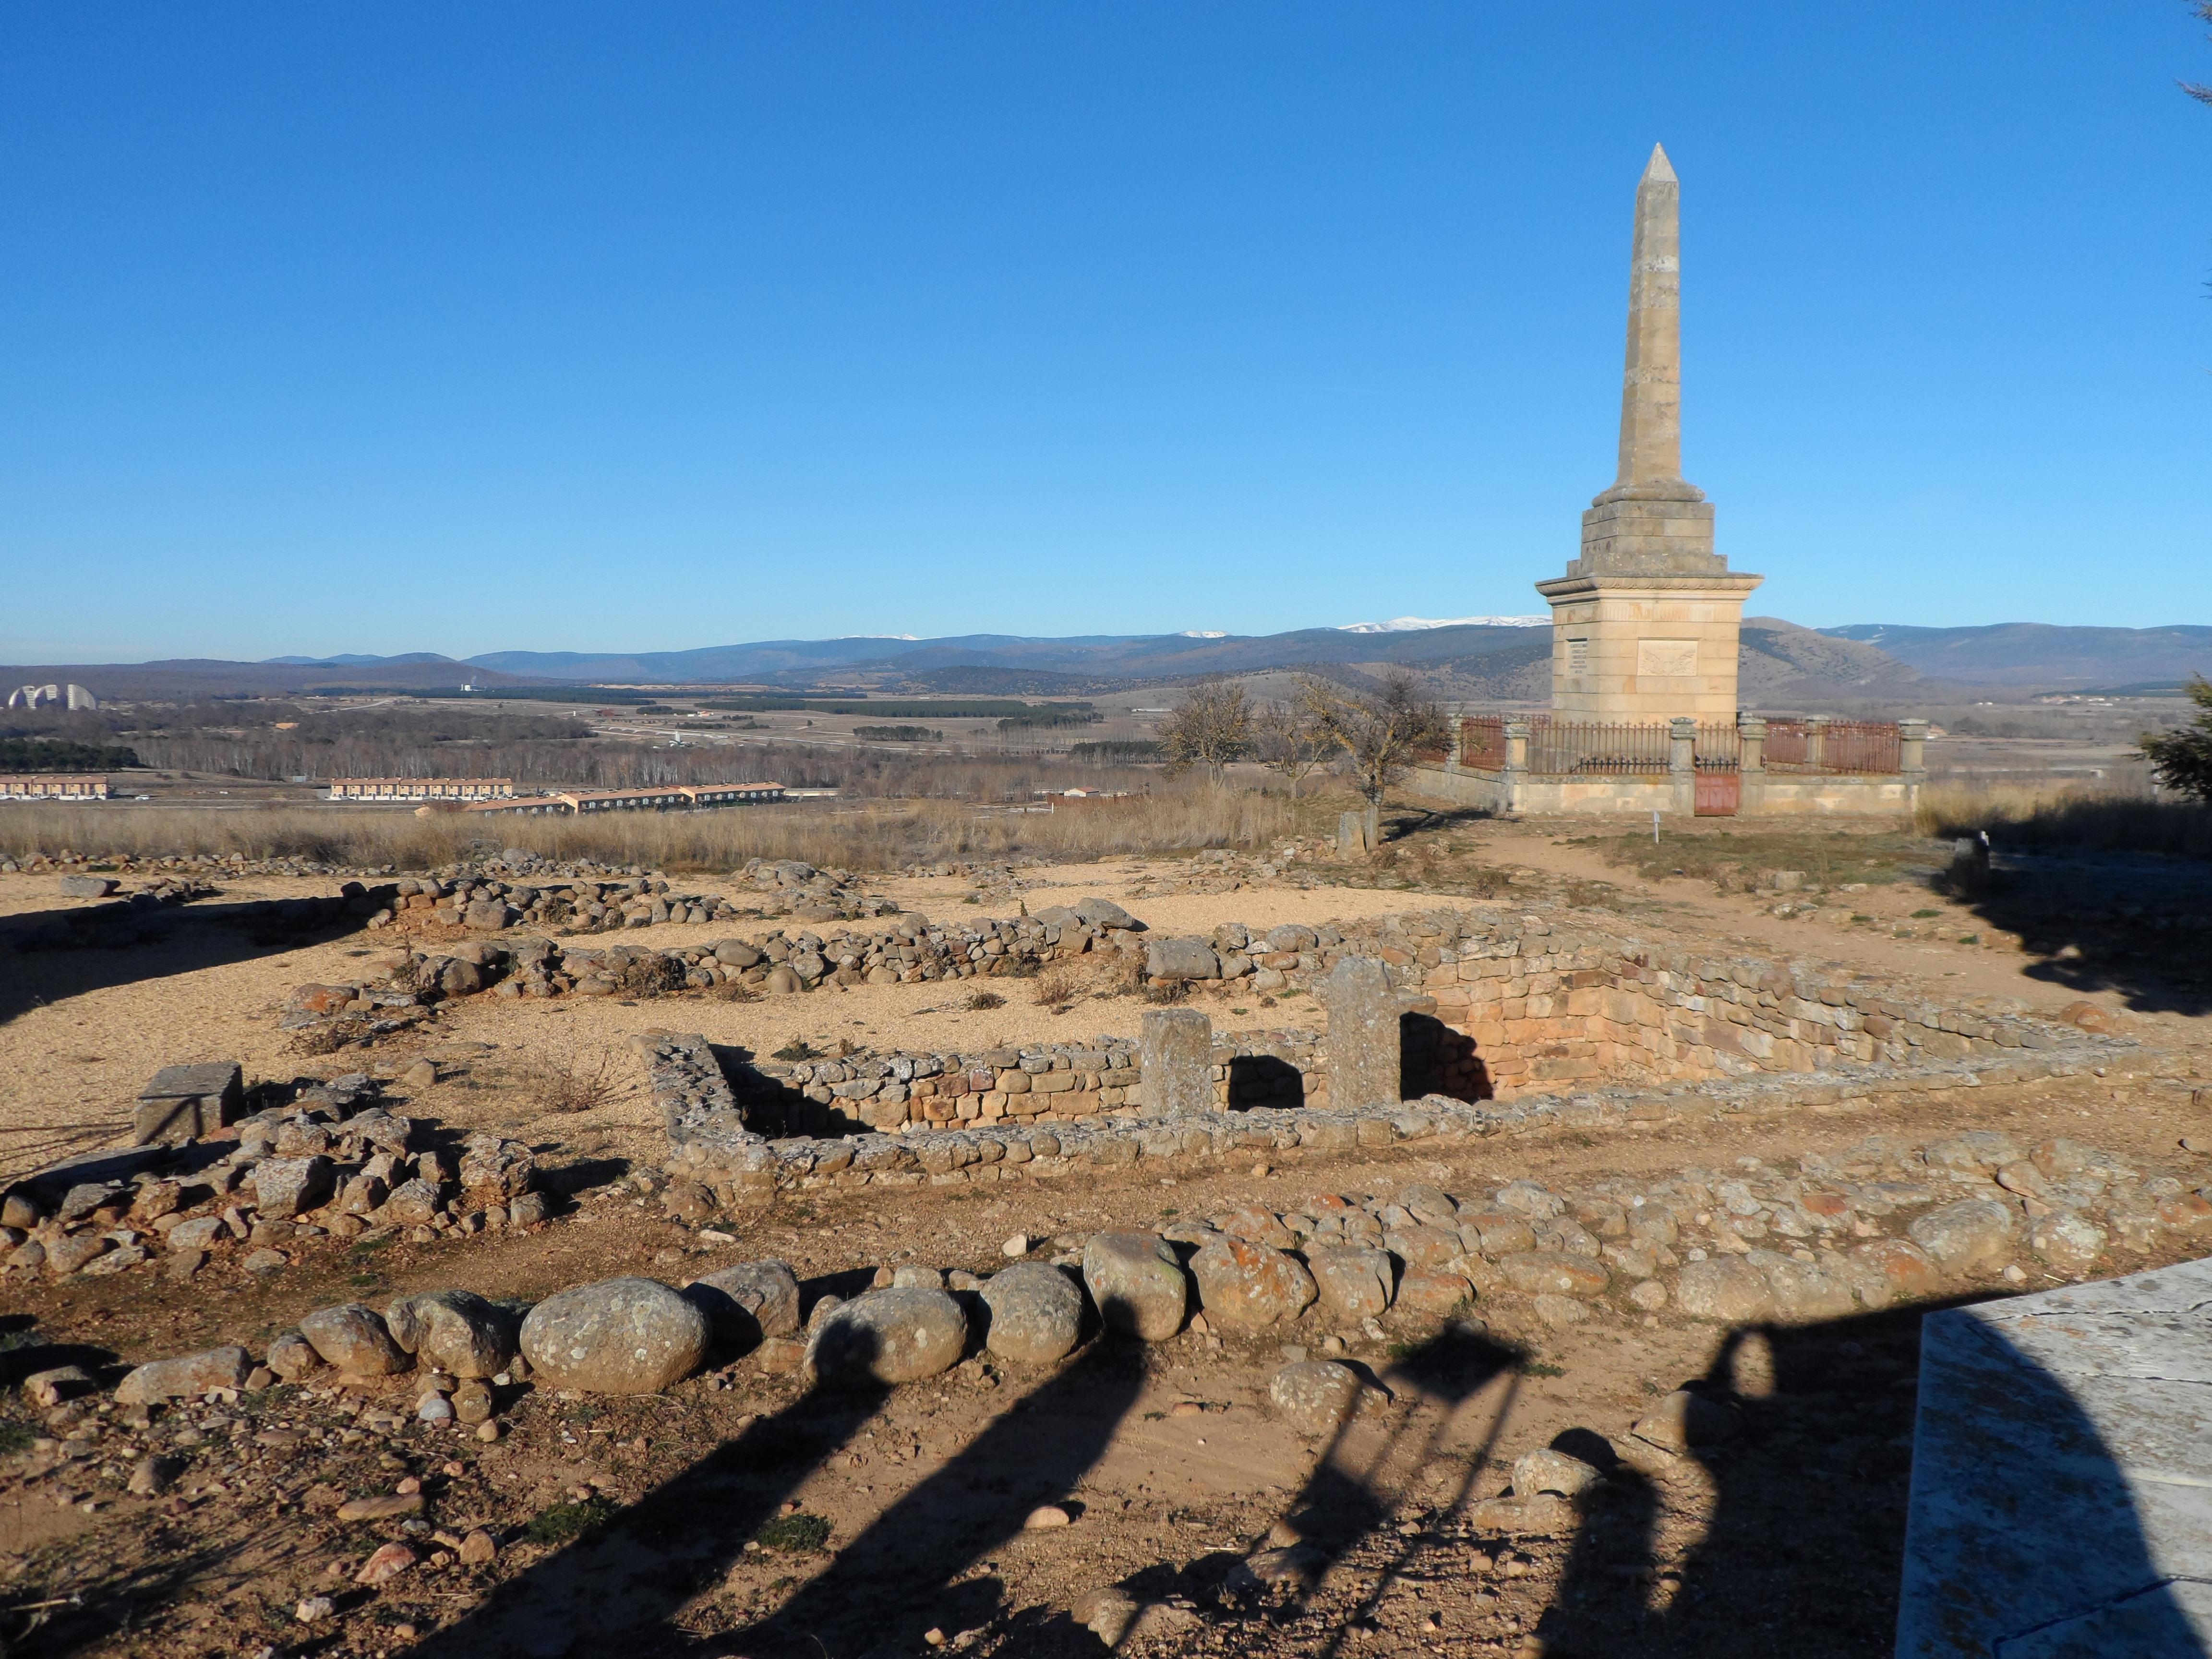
x=2203, y=94
x=1211, y=727
x=1285, y=739
x=1379, y=735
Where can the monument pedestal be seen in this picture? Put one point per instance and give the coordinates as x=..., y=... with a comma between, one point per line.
x=1645, y=647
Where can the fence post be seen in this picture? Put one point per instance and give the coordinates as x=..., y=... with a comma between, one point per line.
x=1514, y=773
x=1456, y=723
x=1751, y=732
x=1682, y=763
x=1816, y=743
x=1913, y=758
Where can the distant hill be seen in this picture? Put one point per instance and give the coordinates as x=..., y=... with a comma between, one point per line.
x=2041, y=654
x=1093, y=656
x=1503, y=658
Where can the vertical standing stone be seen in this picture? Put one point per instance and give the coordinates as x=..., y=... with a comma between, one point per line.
x=1177, y=1055
x=1366, y=1060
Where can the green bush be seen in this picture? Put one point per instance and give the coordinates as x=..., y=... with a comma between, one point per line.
x=563, y=1523
x=795, y=1534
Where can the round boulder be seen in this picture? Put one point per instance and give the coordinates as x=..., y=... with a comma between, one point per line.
x=1315, y=1395
x=352, y=1337
x=1724, y=1288
x=1137, y=1282
x=618, y=1336
x=454, y=1331
x=1549, y=1470
x=748, y=1301
x=1037, y=1313
x=891, y=1336
x=1354, y=1284
x=291, y=1357
x=1244, y=1286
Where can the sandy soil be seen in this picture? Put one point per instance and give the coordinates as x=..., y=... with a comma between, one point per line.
x=70, y=1063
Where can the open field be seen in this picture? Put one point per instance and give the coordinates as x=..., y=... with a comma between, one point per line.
x=872, y=836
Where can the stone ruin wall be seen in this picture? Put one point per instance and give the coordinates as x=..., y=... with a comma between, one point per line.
x=1496, y=1010
x=1501, y=1007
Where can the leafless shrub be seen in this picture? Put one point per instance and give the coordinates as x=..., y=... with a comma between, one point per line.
x=569, y=1085
x=330, y=1036
x=980, y=1002
x=1058, y=986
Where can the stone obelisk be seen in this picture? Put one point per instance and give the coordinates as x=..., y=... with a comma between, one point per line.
x=1644, y=625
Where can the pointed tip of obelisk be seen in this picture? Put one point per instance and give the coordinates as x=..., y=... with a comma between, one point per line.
x=1659, y=168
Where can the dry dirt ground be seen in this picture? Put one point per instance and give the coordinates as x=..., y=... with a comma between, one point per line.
x=678, y=1524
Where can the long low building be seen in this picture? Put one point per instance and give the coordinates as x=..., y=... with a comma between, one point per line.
x=52, y=786
x=677, y=798
x=403, y=789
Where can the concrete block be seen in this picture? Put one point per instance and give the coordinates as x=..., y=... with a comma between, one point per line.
x=187, y=1103
x=2061, y=1475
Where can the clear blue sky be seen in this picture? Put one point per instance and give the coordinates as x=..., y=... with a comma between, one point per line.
x=463, y=328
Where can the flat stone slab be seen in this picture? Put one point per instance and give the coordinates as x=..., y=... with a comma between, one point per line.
x=218, y=1077
x=2061, y=1475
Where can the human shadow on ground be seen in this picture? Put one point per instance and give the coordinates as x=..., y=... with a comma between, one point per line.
x=2100, y=922
x=1808, y=1516
x=1352, y=1501
x=910, y=1569
x=50, y=956
x=620, y=1588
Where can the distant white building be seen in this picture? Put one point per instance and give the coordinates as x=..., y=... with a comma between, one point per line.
x=51, y=696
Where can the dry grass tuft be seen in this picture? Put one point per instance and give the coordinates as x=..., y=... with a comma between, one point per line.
x=566, y=1087
x=873, y=835
x=2057, y=816
x=981, y=1002
x=1058, y=986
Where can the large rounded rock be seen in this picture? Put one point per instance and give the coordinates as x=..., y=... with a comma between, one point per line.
x=1683, y=1420
x=1725, y=1288
x=618, y=1336
x=1884, y=1269
x=1554, y=1272
x=1137, y=1282
x=286, y=1186
x=2067, y=1240
x=181, y=1378
x=1244, y=1286
x=1315, y=1395
x=1354, y=1284
x=1974, y=1233
x=890, y=1336
x=1037, y=1313
x=1548, y=1470
x=454, y=1331
x=747, y=1303
x=353, y=1338
x=1804, y=1290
